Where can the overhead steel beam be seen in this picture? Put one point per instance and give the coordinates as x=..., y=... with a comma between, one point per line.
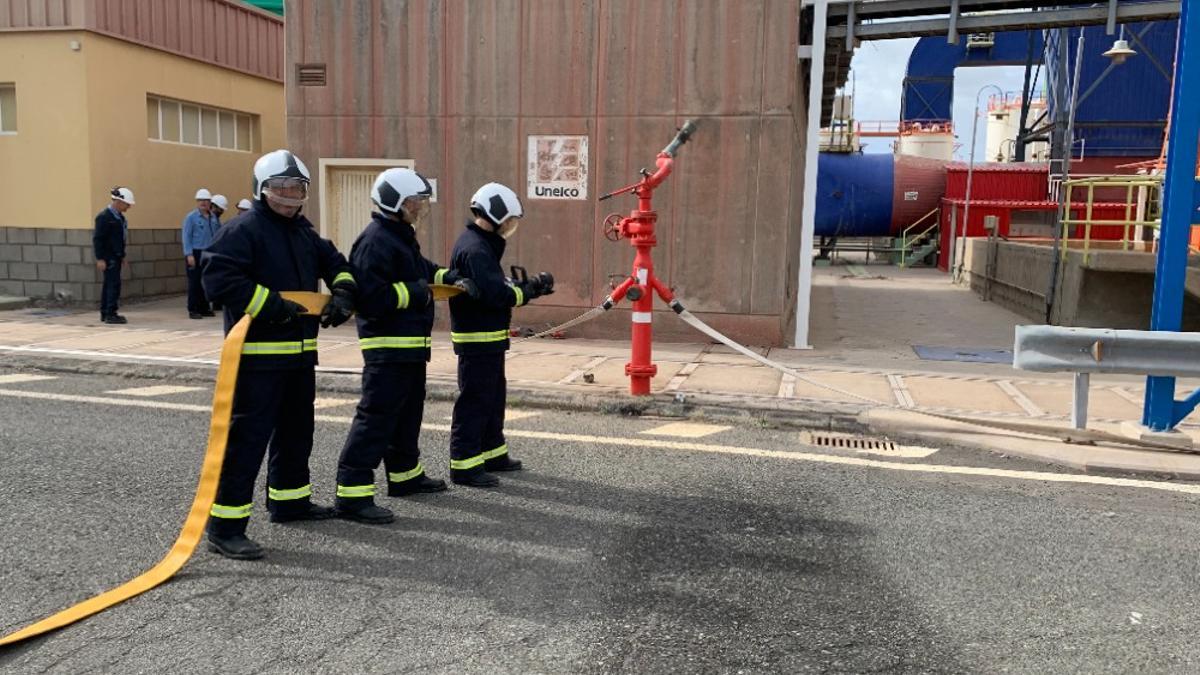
x=986, y=23
x=889, y=9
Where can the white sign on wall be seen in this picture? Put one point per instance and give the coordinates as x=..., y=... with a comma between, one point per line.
x=557, y=167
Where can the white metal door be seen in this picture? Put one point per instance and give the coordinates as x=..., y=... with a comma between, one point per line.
x=349, y=204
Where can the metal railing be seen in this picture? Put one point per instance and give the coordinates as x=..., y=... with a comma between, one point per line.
x=906, y=241
x=1141, y=200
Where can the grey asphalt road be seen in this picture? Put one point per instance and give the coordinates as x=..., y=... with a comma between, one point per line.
x=611, y=554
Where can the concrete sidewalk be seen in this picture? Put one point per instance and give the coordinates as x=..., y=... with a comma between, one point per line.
x=863, y=374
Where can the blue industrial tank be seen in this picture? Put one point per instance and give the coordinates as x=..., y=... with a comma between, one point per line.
x=875, y=195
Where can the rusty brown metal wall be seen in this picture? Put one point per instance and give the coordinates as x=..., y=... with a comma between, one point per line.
x=459, y=85
x=221, y=32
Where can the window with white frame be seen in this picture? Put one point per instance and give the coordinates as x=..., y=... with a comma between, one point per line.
x=173, y=121
x=8, y=108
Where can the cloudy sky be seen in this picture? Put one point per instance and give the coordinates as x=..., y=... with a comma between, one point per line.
x=878, y=68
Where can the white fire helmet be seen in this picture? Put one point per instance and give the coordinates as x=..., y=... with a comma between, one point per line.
x=394, y=186
x=281, y=170
x=220, y=202
x=203, y=193
x=497, y=204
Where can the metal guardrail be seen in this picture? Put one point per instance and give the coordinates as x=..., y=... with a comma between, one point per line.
x=1083, y=351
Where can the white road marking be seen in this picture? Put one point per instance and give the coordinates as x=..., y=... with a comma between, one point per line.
x=1020, y=399
x=676, y=382
x=585, y=441
x=580, y=371
x=15, y=378
x=685, y=430
x=322, y=403
x=787, y=386
x=158, y=390
x=511, y=415
x=900, y=391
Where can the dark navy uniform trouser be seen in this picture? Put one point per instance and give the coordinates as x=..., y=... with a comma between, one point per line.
x=477, y=429
x=386, y=427
x=272, y=410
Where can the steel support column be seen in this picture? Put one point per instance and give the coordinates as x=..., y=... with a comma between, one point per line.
x=1179, y=189
x=808, y=211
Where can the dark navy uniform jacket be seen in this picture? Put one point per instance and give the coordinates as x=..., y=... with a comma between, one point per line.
x=481, y=326
x=108, y=239
x=251, y=260
x=395, y=304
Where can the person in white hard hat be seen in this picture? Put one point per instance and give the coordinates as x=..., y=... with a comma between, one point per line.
x=219, y=206
x=244, y=206
x=199, y=227
x=108, y=242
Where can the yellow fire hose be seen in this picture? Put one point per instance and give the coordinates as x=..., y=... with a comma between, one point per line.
x=206, y=492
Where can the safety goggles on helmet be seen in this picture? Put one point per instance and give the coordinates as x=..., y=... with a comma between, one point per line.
x=286, y=191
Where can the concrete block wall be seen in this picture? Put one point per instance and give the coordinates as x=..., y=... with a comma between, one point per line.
x=1111, y=289
x=41, y=262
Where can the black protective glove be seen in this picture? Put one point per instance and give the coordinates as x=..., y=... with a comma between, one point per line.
x=339, y=309
x=468, y=287
x=282, y=310
x=453, y=278
x=528, y=290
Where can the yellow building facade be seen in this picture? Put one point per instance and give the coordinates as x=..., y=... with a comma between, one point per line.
x=94, y=95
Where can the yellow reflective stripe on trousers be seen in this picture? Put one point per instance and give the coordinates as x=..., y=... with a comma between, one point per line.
x=257, y=301
x=343, y=276
x=402, y=295
x=279, y=348
x=288, y=495
x=222, y=511
x=488, y=336
x=496, y=452
x=273, y=348
x=406, y=475
x=354, y=491
x=395, y=342
x=468, y=463
x=520, y=296
x=439, y=275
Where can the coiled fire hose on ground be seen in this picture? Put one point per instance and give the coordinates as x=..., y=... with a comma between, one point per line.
x=1080, y=436
x=210, y=474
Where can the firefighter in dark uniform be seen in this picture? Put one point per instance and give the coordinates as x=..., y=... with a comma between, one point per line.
x=269, y=249
x=395, y=324
x=479, y=331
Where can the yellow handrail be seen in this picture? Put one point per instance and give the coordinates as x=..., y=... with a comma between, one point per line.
x=904, y=238
x=1092, y=183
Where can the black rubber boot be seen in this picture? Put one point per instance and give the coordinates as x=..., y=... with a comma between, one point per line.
x=502, y=463
x=308, y=511
x=363, y=512
x=235, y=546
x=476, y=478
x=412, y=486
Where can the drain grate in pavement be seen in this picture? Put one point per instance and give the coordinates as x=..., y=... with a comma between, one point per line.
x=851, y=442
x=865, y=445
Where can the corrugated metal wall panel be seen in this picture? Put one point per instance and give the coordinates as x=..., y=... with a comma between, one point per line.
x=458, y=86
x=197, y=29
